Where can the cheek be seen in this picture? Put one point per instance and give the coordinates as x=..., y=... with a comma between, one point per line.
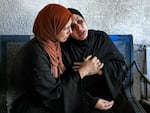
x=85, y=27
x=75, y=37
x=74, y=33
x=62, y=34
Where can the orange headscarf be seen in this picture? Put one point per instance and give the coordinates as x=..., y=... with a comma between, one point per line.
x=49, y=22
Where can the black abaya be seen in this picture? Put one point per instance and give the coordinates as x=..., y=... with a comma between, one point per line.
x=110, y=84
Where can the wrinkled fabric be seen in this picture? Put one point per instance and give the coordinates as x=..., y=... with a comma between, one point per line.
x=32, y=87
x=107, y=86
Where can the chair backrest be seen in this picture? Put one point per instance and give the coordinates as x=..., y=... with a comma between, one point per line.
x=9, y=46
x=124, y=43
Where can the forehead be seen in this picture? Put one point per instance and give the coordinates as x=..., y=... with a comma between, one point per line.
x=76, y=17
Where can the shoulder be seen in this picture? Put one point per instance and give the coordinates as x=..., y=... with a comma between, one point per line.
x=98, y=34
x=34, y=47
x=97, y=31
x=33, y=50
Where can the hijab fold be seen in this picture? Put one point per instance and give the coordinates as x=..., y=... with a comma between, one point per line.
x=48, y=23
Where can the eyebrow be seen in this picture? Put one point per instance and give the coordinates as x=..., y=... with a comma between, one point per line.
x=77, y=19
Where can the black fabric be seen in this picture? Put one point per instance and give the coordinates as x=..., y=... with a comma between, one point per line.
x=74, y=11
x=32, y=87
x=109, y=84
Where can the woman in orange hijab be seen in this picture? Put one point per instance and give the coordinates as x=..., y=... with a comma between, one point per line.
x=39, y=82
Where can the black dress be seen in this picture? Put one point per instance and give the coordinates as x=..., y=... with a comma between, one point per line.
x=109, y=84
x=32, y=87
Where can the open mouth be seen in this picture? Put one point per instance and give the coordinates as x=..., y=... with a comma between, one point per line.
x=82, y=33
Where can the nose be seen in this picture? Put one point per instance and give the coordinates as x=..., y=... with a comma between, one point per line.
x=78, y=27
x=70, y=30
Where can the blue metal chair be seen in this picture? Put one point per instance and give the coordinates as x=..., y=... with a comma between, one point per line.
x=125, y=45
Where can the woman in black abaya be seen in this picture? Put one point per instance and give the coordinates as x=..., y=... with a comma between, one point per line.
x=108, y=84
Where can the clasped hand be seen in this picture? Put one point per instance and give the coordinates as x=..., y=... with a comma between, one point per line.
x=104, y=104
x=90, y=66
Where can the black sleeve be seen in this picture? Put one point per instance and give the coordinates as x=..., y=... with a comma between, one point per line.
x=72, y=91
x=115, y=73
x=46, y=88
x=115, y=69
x=92, y=100
x=53, y=93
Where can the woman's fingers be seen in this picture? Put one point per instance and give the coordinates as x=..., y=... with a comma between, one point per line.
x=90, y=66
x=103, y=104
x=100, y=65
x=108, y=105
x=88, y=58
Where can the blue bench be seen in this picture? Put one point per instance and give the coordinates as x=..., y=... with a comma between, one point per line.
x=10, y=44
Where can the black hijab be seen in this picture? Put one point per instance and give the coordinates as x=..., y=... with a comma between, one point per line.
x=75, y=11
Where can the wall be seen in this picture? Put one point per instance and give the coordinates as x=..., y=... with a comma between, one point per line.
x=112, y=16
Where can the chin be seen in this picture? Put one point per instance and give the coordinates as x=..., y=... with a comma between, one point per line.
x=84, y=37
x=65, y=40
